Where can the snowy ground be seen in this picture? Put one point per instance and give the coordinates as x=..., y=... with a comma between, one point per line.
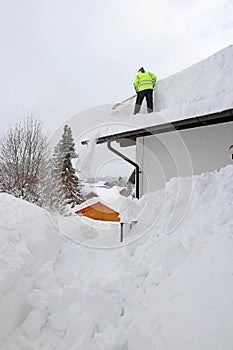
x=168, y=290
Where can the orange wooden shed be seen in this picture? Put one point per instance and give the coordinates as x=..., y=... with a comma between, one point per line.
x=99, y=211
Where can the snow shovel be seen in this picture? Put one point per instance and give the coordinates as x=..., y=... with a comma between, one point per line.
x=122, y=102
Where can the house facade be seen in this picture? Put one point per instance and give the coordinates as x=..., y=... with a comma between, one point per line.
x=182, y=153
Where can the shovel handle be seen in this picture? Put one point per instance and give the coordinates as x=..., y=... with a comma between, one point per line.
x=120, y=103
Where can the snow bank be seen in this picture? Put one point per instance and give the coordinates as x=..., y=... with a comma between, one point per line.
x=168, y=290
x=27, y=241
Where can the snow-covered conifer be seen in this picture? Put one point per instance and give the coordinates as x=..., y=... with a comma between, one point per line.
x=65, y=186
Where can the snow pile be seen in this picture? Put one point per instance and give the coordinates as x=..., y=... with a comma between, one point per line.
x=87, y=232
x=27, y=241
x=170, y=289
x=176, y=204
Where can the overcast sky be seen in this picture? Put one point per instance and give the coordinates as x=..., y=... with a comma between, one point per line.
x=59, y=57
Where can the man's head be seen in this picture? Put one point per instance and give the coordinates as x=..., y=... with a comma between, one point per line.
x=142, y=70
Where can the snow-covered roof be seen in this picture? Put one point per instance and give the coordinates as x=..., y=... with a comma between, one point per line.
x=202, y=89
x=114, y=200
x=100, y=183
x=128, y=138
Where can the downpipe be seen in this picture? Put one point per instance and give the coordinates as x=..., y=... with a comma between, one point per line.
x=137, y=169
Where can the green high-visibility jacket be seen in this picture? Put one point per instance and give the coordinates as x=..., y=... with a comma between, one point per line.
x=144, y=81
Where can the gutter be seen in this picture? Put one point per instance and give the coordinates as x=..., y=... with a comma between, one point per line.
x=137, y=169
x=190, y=123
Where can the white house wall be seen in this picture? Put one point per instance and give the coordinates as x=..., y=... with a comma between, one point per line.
x=184, y=153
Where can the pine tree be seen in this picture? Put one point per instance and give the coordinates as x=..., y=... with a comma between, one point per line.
x=65, y=187
x=66, y=144
x=71, y=183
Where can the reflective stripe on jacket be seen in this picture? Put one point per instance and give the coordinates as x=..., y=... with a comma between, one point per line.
x=144, y=81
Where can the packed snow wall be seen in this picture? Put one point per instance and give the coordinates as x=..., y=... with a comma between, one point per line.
x=27, y=241
x=163, y=291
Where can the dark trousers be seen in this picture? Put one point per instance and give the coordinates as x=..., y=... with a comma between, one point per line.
x=148, y=94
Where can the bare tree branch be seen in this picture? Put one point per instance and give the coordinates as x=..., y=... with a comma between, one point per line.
x=23, y=153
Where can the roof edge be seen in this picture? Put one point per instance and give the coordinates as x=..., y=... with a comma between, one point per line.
x=194, y=122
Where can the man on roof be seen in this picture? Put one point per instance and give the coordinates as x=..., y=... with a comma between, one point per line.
x=144, y=84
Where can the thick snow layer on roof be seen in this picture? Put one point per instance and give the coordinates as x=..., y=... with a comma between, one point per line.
x=110, y=197
x=206, y=87
x=163, y=291
x=203, y=88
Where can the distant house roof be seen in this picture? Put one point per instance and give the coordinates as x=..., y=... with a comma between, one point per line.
x=124, y=192
x=91, y=195
x=108, y=184
x=99, y=184
x=127, y=138
x=99, y=211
